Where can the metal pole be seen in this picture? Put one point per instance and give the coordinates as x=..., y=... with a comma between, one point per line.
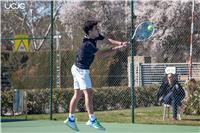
x=32, y=27
x=58, y=60
x=191, y=39
x=132, y=52
x=51, y=63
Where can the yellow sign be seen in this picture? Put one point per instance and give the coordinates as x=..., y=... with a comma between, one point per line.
x=22, y=43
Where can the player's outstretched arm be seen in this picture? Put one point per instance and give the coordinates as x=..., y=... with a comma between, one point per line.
x=115, y=42
x=108, y=51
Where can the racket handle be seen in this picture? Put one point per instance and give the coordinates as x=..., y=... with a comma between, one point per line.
x=132, y=38
x=129, y=43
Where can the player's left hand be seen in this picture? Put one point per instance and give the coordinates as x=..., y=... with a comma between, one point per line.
x=124, y=44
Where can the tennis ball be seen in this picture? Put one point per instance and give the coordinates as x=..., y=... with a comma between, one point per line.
x=150, y=28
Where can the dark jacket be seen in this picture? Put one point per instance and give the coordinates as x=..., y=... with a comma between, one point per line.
x=166, y=90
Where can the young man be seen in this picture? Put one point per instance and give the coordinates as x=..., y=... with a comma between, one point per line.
x=80, y=72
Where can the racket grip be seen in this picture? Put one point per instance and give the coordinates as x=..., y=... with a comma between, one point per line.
x=129, y=43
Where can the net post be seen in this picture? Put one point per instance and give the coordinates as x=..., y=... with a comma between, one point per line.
x=51, y=63
x=132, y=53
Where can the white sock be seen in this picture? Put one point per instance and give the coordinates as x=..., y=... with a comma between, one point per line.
x=92, y=117
x=71, y=116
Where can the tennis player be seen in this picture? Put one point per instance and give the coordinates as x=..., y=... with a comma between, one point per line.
x=81, y=73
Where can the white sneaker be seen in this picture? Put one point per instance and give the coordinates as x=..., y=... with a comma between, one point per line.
x=71, y=123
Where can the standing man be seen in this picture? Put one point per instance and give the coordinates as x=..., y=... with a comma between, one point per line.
x=81, y=73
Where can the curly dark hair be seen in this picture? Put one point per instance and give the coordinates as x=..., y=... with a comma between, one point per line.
x=89, y=24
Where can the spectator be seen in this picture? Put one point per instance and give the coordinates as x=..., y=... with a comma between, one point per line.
x=171, y=92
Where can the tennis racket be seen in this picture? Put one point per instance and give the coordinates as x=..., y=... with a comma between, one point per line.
x=143, y=31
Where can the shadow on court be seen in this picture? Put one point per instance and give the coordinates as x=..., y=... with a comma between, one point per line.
x=13, y=120
x=192, y=119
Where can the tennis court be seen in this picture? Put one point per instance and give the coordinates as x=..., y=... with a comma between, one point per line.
x=59, y=127
x=37, y=55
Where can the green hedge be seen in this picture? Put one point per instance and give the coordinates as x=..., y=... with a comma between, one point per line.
x=104, y=99
x=108, y=98
x=146, y=96
x=6, y=101
x=193, y=104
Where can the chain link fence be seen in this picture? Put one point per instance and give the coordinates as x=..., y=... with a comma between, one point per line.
x=30, y=70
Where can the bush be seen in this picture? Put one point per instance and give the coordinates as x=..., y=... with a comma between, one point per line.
x=6, y=102
x=112, y=98
x=107, y=98
x=37, y=101
x=193, y=104
x=146, y=96
x=104, y=99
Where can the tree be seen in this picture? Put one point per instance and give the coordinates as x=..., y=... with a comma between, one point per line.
x=111, y=14
x=31, y=20
x=173, y=21
x=113, y=23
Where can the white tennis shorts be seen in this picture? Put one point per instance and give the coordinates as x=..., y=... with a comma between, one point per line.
x=81, y=78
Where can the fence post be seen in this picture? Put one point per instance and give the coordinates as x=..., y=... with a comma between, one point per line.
x=132, y=52
x=51, y=63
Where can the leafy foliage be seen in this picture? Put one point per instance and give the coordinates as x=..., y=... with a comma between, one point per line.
x=193, y=106
x=6, y=102
x=111, y=98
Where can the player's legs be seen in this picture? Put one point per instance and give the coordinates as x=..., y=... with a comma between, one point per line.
x=74, y=101
x=82, y=80
x=86, y=85
x=88, y=93
x=92, y=122
x=70, y=121
x=77, y=92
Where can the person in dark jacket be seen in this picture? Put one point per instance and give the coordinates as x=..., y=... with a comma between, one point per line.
x=171, y=93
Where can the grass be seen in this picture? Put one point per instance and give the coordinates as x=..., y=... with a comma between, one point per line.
x=150, y=115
